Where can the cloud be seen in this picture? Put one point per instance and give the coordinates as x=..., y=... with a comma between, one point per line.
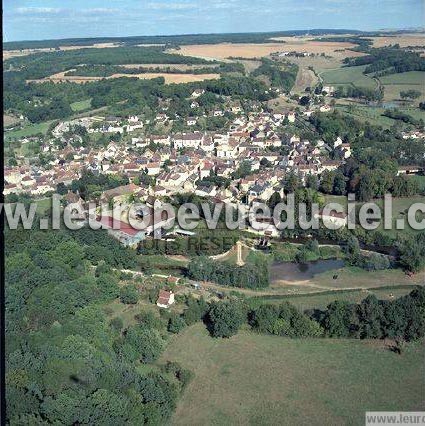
x=171, y=6
x=35, y=11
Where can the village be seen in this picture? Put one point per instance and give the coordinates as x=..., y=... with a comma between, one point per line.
x=251, y=155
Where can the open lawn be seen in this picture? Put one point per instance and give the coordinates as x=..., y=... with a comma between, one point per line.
x=81, y=105
x=348, y=76
x=255, y=379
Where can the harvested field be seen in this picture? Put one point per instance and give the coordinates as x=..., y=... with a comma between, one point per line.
x=7, y=54
x=403, y=40
x=250, y=51
x=180, y=67
x=169, y=78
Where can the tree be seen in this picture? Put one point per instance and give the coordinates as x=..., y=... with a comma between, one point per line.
x=304, y=100
x=340, y=184
x=370, y=314
x=312, y=182
x=147, y=343
x=352, y=249
x=411, y=94
x=274, y=200
x=225, y=318
x=327, y=182
x=340, y=320
x=108, y=286
x=129, y=294
x=176, y=324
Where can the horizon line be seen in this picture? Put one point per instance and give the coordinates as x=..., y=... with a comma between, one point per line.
x=414, y=29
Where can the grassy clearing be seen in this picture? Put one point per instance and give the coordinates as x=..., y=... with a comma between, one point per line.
x=353, y=277
x=410, y=77
x=322, y=300
x=81, y=105
x=348, y=76
x=30, y=130
x=374, y=114
x=44, y=205
x=364, y=114
x=258, y=379
x=395, y=83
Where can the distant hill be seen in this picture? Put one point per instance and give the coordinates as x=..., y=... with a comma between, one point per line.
x=174, y=39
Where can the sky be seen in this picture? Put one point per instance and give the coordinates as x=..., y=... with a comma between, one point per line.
x=56, y=19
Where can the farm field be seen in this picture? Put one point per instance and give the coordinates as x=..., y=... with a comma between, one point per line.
x=181, y=67
x=260, y=379
x=250, y=51
x=348, y=76
x=404, y=40
x=7, y=54
x=395, y=83
x=169, y=78
x=400, y=205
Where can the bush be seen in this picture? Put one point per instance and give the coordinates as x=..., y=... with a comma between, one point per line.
x=129, y=294
x=108, y=286
x=176, y=324
x=376, y=262
x=116, y=324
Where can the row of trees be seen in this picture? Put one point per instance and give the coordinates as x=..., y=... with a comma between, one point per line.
x=254, y=274
x=403, y=318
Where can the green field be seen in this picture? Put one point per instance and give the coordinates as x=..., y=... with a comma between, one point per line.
x=369, y=114
x=348, y=76
x=322, y=300
x=395, y=83
x=410, y=77
x=255, y=379
x=81, y=105
x=30, y=130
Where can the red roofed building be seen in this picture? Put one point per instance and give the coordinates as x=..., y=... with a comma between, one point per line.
x=165, y=299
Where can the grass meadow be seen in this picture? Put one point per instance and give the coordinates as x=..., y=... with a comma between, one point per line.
x=256, y=379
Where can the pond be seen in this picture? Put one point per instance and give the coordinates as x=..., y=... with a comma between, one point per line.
x=291, y=271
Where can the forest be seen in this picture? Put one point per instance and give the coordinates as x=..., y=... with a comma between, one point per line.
x=282, y=78
x=388, y=60
x=62, y=351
